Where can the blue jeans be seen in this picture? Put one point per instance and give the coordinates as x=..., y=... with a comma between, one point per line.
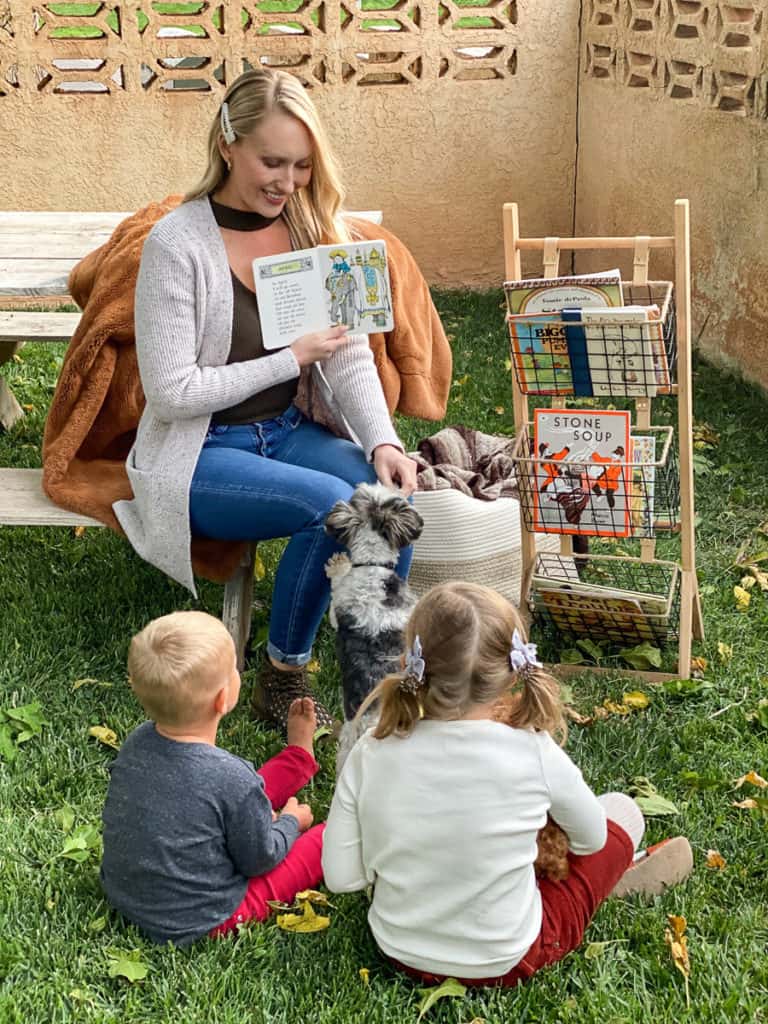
x=280, y=478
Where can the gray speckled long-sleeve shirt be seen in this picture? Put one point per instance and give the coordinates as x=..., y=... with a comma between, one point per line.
x=185, y=826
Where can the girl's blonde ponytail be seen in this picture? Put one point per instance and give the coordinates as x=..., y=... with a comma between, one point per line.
x=399, y=707
x=533, y=702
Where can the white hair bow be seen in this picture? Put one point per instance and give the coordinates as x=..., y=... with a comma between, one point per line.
x=414, y=668
x=522, y=655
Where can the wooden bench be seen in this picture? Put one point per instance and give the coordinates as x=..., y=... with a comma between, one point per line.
x=37, y=252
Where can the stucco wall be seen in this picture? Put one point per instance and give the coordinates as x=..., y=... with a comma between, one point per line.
x=437, y=123
x=678, y=109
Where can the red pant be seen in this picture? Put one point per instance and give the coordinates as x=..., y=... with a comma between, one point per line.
x=567, y=909
x=283, y=775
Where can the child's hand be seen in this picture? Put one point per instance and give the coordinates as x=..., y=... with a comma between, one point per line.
x=302, y=813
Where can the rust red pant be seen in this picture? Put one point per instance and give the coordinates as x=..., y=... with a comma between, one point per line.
x=284, y=775
x=567, y=909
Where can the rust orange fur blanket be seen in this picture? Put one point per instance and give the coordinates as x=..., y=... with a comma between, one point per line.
x=99, y=399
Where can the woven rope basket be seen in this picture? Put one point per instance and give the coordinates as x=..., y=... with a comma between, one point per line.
x=471, y=540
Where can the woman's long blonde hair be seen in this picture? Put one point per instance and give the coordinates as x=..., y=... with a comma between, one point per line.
x=313, y=214
x=465, y=632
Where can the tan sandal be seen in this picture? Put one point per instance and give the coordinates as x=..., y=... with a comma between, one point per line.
x=664, y=864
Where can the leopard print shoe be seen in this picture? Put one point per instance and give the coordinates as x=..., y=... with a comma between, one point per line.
x=276, y=690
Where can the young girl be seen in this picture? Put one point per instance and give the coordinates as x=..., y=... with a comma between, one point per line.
x=439, y=806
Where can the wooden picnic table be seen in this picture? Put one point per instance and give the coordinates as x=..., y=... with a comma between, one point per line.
x=38, y=249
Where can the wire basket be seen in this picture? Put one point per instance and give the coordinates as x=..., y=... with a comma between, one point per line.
x=637, y=498
x=623, y=601
x=595, y=351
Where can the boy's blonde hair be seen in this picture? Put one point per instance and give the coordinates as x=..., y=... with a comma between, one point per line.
x=465, y=631
x=177, y=663
x=313, y=214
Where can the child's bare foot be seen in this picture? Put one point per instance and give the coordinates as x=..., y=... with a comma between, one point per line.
x=302, y=723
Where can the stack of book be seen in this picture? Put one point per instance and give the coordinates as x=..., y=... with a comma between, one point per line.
x=616, y=614
x=575, y=336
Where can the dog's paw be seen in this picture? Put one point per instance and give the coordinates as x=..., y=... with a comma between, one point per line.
x=337, y=565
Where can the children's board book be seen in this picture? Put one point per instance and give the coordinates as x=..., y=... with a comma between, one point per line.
x=551, y=294
x=616, y=619
x=312, y=289
x=650, y=604
x=615, y=350
x=581, y=482
x=643, y=486
x=539, y=348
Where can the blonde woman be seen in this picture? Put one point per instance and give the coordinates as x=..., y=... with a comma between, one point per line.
x=221, y=450
x=439, y=806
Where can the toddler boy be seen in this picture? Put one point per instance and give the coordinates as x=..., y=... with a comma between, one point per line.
x=192, y=845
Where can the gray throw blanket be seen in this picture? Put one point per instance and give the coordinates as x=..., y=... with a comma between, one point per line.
x=479, y=465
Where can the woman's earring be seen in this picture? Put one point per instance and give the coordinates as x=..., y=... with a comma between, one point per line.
x=229, y=165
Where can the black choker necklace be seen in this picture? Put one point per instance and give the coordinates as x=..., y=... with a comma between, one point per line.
x=239, y=220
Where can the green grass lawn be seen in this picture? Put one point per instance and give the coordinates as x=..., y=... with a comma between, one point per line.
x=69, y=606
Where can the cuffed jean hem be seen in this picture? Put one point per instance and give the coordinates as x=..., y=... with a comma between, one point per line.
x=294, y=660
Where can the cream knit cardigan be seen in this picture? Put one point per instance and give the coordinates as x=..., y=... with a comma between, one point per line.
x=183, y=316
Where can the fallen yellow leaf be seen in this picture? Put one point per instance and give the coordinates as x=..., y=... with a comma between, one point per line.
x=706, y=435
x=259, y=570
x=313, y=666
x=636, y=699
x=614, y=708
x=715, y=860
x=499, y=410
x=699, y=666
x=753, y=778
x=748, y=805
x=743, y=598
x=507, y=364
x=365, y=975
x=28, y=407
x=306, y=921
x=725, y=651
x=104, y=735
x=85, y=682
x=675, y=938
x=313, y=896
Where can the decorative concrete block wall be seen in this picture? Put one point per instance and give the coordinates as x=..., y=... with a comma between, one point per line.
x=440, y=111
x=673, y=100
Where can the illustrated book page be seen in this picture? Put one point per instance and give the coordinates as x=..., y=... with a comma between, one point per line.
x=312, y=289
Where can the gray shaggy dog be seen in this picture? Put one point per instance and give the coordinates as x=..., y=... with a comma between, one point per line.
x=370, y=604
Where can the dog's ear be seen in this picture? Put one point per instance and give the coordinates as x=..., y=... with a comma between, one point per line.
x=341, y=522
x=401, y=524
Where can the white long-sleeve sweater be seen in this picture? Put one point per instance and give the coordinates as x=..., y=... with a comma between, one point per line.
x=443, y=823
x=183, y=315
